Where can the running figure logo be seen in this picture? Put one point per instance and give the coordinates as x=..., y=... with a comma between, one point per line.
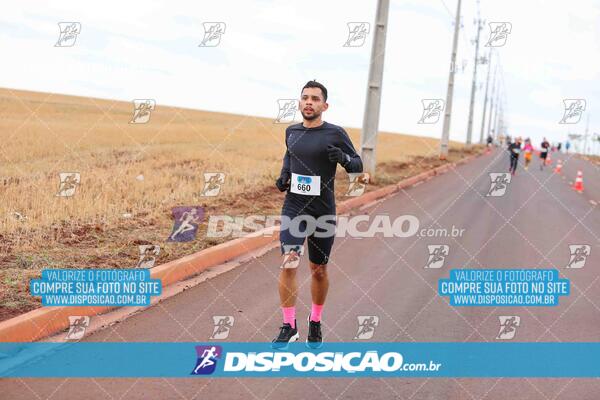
x=77, y=327
x=579, y=254
x=186, y=223
x=574, y=108
x=207, y=359
x=68, y=34
x=292, y=254
x=148, y=254
x=437, y=255
x=141, y=110
x=212, y=34
x=358, y=183
x=223, y=323
x=508, y=326
x=212, y=183
x=499, y=34
x=68, y=183
x=366, y=326
x=500, y=181
x=432, y=109
x=357, y=33
x=287, y=111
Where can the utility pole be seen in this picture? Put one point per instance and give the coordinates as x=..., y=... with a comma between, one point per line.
x=485, y=101
x=492, y=100
x=373, y=101
x=449, y=92
x=471, y=106
x=497, y=117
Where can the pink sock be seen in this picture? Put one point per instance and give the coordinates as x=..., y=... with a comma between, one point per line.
x=289, y=315
x=315, y=312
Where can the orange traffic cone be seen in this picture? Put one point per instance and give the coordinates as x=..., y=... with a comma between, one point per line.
x=579, y=182
x=558, y=167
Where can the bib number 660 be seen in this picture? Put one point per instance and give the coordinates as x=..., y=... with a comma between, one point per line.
x=304, y=187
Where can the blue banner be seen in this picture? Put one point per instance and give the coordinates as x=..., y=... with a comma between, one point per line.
x=223, y=359
x=95, y=287
x=504, y=287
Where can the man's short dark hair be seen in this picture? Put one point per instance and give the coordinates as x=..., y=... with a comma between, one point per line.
x=315, y=84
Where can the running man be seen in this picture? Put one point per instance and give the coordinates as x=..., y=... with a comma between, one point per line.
x=514, y=149
x=314, y=148
x=544, y=153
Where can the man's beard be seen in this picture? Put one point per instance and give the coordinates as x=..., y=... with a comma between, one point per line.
x=315, y=115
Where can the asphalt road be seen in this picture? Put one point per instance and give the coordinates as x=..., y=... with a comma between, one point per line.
x=530, y=226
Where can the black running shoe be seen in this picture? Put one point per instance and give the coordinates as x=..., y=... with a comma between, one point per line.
x=287, y=334
x=314, y=339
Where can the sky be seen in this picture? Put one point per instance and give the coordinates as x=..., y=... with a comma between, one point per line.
x=151, y=49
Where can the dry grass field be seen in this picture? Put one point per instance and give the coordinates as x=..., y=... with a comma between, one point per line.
x=113, y=209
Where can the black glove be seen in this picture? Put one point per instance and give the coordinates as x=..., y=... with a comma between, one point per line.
x=283, y=182
x=336, y=155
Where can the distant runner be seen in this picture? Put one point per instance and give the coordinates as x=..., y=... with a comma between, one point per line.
x=515, y=150
x=314, y=148
x=528, y=151
x=545, y=146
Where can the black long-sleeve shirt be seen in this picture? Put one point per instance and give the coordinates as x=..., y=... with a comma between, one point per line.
x=306, y=154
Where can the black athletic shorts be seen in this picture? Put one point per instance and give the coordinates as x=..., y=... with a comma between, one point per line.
x=320, y=240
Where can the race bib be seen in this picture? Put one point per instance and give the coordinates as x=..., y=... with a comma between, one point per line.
x=517, y=151
x=306, y=184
